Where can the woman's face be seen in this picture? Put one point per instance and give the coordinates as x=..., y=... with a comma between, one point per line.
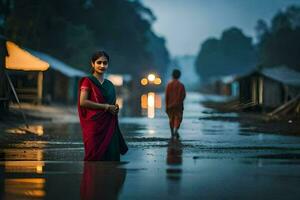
x=100, y=65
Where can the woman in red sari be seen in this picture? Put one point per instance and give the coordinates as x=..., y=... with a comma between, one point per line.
x=98, y=114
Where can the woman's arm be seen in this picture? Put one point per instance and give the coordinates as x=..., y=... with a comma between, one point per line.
x=84, y=102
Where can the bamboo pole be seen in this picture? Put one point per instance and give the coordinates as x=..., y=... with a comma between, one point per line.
x=16, y=97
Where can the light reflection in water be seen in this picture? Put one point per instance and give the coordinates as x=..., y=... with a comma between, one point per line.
x=150, y=102
x=24, y=154
x=151, y=108
x=157, y=101
x=22, y=188
x=151, y=132
x=24, y=167
x=144, y=101
x=34, y=129
x=32, y=162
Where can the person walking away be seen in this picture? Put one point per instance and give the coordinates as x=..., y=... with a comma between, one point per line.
x=174, y=98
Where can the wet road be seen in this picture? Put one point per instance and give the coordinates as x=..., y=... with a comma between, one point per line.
x=213, y=159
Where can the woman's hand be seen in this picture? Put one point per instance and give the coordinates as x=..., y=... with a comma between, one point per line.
x=117, y=106
x=113, y=109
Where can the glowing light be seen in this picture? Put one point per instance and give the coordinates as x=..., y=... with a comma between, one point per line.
x=26, y=180
x=117, y=80
x=27, y=166
x=39, y=130
x=151, y=108
x=24, y=187
x=157, y=101
x=151, y=77
x=144, y=81
x=144, y=101
x=39, y=169
x=157, y=81
x=39, y=155
x=35, y=129
x=119, y=101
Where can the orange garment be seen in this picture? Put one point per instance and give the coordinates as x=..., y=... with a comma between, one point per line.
x=175, y=95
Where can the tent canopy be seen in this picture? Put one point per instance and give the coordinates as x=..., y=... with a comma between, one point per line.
x=19, y=59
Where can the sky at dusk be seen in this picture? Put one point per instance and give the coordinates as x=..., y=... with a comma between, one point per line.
x=185, y=24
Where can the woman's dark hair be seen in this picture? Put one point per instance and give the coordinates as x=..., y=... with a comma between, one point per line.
x=96, y=56
x=176, y=74
x=99, y=54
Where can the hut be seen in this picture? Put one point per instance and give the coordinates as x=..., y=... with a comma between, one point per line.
x=15, y=60
x=228, y=86
x=61, y=80
x=269, y=88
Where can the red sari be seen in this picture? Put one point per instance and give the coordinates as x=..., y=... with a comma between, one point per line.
x=98, y=126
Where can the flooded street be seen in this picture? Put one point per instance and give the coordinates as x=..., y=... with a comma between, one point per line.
x=212, y=159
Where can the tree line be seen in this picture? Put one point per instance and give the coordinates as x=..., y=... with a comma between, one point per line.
x=235, y=53
x=72, y=30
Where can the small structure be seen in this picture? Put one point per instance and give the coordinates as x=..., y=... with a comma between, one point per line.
x=222, y=85
x=61, y=80
x=269, y=88
x=228, y=86
x=19, y=61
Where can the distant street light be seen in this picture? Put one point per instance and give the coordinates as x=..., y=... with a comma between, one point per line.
x=144, y=81
x=151, y=77
x=157, y=81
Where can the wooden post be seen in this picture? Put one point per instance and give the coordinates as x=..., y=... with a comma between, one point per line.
x=261, y=90
x=254, y=89
x=39, y=87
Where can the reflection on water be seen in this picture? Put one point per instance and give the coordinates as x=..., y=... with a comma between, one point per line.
x=101, y=180
x=150, y=102
x=34, y=129
x=174, y=158
x=174, y=154
x=32, y=163
x=157, y=168
x=144, y=101
x=23, y=154
x=141, y=105
x=24, y=167
x=24, y=188
x=151, y=109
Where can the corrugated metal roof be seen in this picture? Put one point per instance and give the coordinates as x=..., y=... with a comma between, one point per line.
x=58, y=65
x=282, y=74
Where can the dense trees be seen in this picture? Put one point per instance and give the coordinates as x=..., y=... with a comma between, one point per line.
x=73, y=29
x=231, y=54
x=279, y=43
